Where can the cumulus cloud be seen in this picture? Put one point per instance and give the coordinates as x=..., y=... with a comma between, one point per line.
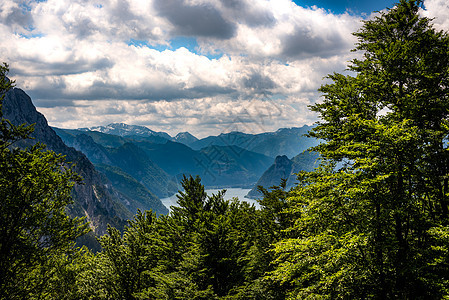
x=438, y=10
x=202, y=20
x=255, y=64
x=201, y=117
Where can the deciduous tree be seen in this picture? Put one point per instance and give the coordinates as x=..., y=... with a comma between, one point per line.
x=374, y=218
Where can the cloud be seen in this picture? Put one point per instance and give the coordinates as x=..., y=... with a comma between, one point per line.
x=253, y=14
x=201, y=117
x=304, y=43
x=16, y=14
x=439, y=11
x=202, y=20
x=250, y=59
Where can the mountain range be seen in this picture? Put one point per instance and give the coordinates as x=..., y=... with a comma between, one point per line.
x=158, y=161
x=160, y=166
x=130, y=167
x=284, y=141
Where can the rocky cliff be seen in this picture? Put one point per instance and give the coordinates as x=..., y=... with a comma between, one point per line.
x=285, y=168
x=95, y=199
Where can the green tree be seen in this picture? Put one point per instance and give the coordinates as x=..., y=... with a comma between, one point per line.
x=35, y=188
x=374, y=217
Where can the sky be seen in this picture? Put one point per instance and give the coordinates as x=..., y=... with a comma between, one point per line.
x=203, y=66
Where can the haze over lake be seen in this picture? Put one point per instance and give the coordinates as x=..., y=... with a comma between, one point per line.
x=230, y=193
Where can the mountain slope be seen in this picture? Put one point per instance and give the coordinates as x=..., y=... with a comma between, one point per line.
x=134, y=195
x=128, y=157
x=185, y=138
x=95, y=198
x=285, y=141
x=284, y=168
x=218, y=166
x=136, y=163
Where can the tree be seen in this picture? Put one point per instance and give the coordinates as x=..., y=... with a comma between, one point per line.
x=35, y=188
x=374, y=217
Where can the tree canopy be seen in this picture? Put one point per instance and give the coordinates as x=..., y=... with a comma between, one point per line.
x=374, y=217
x=35, y=188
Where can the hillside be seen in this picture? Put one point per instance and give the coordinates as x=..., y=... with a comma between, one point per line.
x=95, y=199
x=218, y=166
x=284, y=168
x=126, y=156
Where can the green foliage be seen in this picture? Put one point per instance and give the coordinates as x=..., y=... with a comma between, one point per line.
x=207, y=248
x=35, y=231
x=373, y=219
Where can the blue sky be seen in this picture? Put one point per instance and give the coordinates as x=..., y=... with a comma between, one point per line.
x=353, y=6
x=205, y=66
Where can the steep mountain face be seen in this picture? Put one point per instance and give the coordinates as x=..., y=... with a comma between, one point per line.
x=285, y=168
x=95, y=198
x=128, y=157
x=185, y=138
x=133, y=194
x=136, y=163
x=231, y=166
x=218, y=166
x=122, y=129
x=285, y=141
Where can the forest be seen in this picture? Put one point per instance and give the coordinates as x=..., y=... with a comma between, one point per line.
x=370, y=222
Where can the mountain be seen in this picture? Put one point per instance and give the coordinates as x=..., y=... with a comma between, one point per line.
x=285, y=168
x=134, y=161
x=127, y=156
x=122, y=129
x=284, y=141
x=185, y=138
x=106, y=140
x=218, y=166
x=231, y=166
x=133, y=194
x=95, y=199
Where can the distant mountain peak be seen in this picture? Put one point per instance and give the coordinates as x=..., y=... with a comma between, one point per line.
x=185, y=138
x=122, y=129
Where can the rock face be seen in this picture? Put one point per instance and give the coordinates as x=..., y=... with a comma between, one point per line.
x=284, y=168
x=95, y=198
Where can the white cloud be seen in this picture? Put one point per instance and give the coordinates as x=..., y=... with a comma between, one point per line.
x=439, y=11
x=77, y=60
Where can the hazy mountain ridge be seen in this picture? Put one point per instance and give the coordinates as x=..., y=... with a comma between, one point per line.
x=218, y=166
x=284, y=141
x=122, y=129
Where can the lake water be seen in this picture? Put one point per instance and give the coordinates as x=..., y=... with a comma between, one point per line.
x=230, y=193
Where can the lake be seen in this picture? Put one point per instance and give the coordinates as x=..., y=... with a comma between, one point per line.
x=230, y=193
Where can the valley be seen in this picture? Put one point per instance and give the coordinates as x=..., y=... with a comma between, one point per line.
x=127, y=168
